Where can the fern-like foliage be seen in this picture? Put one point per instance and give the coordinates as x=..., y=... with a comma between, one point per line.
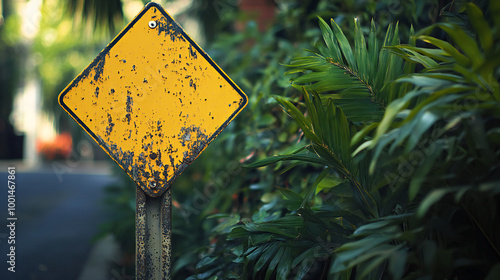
x=358, y=79
x=444, y=136
x=409, y=161
x=289, y=245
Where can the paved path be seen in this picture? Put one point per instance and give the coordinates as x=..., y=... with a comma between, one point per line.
x=58, y=214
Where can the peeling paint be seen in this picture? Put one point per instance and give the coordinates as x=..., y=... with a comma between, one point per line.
x=99, y=67
x=170, y=28
x=129, y=103
x=192, y=52
x=166, y=100
x=192, y=84
x=109, y=128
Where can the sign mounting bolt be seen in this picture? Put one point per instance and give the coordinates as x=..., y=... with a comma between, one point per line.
x=152, y=184
x=152, y=24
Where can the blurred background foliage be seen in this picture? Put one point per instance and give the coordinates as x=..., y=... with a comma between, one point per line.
x=9, y=77
x=339, y=181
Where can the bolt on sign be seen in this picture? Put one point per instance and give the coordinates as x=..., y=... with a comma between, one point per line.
x=153, y=100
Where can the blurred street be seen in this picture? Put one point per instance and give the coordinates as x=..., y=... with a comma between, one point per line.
x=57, y=213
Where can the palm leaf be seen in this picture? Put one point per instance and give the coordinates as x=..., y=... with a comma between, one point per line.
x=103, y=16
x=351, y=76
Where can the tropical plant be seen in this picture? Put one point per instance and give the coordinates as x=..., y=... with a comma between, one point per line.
x=253, y=60
x=408, y=160
x=349, y=82
x=445, y=130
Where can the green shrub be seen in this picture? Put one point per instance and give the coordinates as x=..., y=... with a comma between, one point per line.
x=408, y=160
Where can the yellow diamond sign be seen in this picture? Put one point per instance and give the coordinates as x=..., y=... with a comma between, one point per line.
x=153, y=99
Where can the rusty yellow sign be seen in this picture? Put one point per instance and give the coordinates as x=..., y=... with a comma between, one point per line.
x=153, y=100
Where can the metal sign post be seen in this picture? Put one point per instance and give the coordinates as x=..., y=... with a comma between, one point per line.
x=153, y=100
x=153, y=236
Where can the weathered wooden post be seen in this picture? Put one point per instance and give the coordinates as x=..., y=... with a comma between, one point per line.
x=153, y=100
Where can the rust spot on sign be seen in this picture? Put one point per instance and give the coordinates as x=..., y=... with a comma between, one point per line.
x=153, y=100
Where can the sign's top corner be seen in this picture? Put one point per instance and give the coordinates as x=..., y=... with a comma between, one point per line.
x=153, y=4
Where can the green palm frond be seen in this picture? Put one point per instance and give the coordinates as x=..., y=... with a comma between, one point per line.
x=102, y=16
x=326, y=127
x=285, y=246
x=454, y=75
x=357, y=79
x=381, y=241
x=330, y=133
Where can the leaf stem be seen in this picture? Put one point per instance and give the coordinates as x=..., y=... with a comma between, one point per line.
x=344, y=171
x=357, y=76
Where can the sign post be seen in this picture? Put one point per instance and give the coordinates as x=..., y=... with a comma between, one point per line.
x=153, y=100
